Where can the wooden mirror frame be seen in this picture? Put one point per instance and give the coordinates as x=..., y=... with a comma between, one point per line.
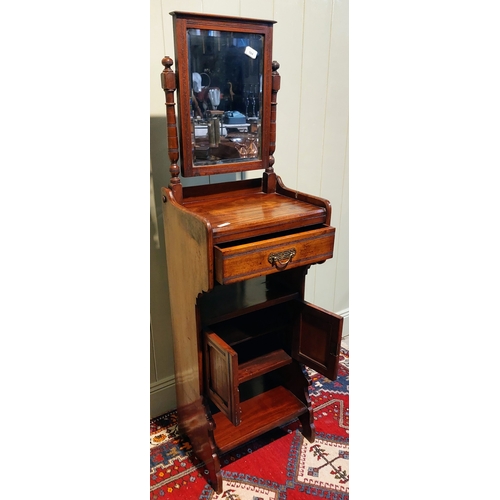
x=183, y=21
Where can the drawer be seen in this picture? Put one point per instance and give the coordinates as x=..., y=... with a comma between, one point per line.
x=251, y=258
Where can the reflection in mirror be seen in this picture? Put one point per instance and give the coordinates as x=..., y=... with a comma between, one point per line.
x=225, y=71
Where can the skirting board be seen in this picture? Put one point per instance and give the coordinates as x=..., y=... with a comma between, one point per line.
x=345, y=330
x=162, y=397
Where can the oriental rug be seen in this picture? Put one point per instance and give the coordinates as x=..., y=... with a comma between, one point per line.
x=280, y=465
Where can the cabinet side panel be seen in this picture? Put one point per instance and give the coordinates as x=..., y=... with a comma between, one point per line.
x=189, y=267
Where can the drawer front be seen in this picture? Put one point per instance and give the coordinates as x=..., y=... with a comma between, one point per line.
x=272, y=255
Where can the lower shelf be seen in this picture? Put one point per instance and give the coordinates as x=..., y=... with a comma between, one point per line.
x=258, y=415
x=264, y=364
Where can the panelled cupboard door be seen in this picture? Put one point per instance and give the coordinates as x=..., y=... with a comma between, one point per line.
x=316, y=339
x=221, y=374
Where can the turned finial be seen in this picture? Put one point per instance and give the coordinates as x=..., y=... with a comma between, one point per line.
x=167, y=62
x=276, y=65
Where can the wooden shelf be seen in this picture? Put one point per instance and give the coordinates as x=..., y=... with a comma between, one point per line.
x=271, y=321
x=229, y=301
x=264, y=364
x=258, y=415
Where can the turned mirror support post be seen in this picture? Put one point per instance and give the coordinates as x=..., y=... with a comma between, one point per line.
x=269, y=180
x=169, y=86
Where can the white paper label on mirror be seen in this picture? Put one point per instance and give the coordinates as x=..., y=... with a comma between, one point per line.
x=250, y=52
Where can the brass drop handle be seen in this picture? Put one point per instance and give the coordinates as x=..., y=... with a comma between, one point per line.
x=281, y=259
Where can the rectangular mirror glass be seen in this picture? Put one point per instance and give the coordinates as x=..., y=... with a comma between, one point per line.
x=226, y=95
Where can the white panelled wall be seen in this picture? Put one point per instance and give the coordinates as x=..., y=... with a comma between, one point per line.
x=311, y=45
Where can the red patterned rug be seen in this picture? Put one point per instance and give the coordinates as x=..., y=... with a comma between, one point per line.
x=280, y=465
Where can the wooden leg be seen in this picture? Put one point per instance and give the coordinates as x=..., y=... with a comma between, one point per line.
x=307, y=426
x=298, y=383
x=195, y=421
x=214, y=474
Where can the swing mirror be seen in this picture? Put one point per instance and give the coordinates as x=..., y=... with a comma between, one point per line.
x=224, y=70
